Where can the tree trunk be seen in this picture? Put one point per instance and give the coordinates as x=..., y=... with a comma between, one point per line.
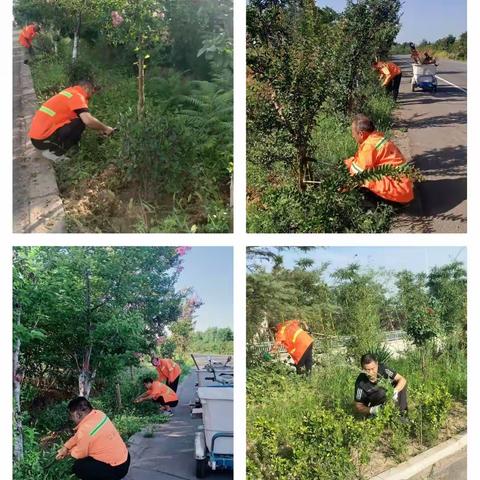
x=85, y=382
x=118, y=396
x=302, y=166
x=141, y=87
x=18, y=427
x=76, y=38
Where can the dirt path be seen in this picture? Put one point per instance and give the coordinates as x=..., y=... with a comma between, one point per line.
x=169, y=455
x=37, y=207
x=436, y=127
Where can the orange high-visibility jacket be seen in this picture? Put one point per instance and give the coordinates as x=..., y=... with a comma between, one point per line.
x=27, y=35
x=97, y=437
x=376, y=150
x=293, y=338
x=388, y=71
x=58, y=111
x=159, y=389
x=168, y=370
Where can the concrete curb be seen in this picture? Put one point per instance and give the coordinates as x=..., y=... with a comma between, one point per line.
x=37, y=206
x=425, y=460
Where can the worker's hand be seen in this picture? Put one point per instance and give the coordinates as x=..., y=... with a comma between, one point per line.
x=344, y=189
x=108, y=131
x=395, y=396
x=374, y=410
x=62, y=453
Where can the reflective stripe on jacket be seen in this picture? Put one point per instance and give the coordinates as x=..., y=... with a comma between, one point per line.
x=377, y=150
x=159, y=389
x=168, y=370
x=97, y=437
x=293, y=338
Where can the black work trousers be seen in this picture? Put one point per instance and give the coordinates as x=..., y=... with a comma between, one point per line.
x=306, y=361
x=173, y=385
x=394, y=86
x=90, y=469
x=62, y=139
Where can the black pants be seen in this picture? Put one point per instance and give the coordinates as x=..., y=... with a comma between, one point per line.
x=306, y=361
x=394, y=86
x=163, y=403
x=90, y=469
x=62, y=139
x=372, y=200
x=174, y=384
x=402, y=400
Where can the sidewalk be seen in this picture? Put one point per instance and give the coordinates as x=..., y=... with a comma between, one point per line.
x=170, y=453
x=37, y=207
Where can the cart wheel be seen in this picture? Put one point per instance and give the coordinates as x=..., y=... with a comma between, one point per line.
x=435, y=89
x=413, y=87
x=201, y=468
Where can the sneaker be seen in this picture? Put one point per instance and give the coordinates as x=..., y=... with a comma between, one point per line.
x=168, y=413
x=53, y=156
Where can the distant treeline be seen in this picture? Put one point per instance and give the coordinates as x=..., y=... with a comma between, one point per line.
x=446, y=47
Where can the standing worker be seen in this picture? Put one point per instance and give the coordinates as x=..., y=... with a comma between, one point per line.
x=390, y=75
x=159, y=393
x=298, y=343
x=370, y=396
x=97, y=447
x=60, y=122
x=26, y=37
x=168, y=371
x=374, y=149
x=414, y=53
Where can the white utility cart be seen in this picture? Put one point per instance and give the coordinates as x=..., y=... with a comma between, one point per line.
x=424, y=77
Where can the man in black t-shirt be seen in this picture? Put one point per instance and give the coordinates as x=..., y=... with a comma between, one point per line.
x=370, y=396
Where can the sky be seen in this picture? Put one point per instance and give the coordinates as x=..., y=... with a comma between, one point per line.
x=423, y=19
x=415, y=259
x=209, y=271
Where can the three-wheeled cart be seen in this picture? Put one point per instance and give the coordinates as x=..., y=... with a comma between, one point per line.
x=424, y=77
x=214, y=438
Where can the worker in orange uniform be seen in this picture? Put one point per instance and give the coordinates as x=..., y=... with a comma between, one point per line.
x=159, y=393
x=297, y=342
x=97, y=447
x=390, y=75
x=60, y=122
x=27, y=35
x=374, y=149
x=414, y=54
x=168, y=371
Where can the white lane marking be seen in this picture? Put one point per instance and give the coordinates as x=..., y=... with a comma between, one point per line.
x=452, y=84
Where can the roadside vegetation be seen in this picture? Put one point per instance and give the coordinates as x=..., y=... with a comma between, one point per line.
x=450, y=46
x=86, y=321
x=308, y=71
x=165, y=73
x=318, y=434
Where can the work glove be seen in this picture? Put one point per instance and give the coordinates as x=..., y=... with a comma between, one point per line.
x=395, y=396
x=374, y=410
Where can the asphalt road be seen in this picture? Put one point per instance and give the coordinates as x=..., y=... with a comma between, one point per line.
x=169, y=455
x=454, y=467
x=437, y=134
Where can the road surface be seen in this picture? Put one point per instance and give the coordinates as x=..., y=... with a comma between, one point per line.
x=454, y=467
x=437, y=135
x=37, y=207
x=169, y=455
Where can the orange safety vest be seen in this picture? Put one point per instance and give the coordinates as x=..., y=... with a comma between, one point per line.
x=293, y=338
x=168, y=370
x=159, y=389
x=376, y=150
x=97, y=437
x=57, y=112
x=389, y=71
x=26, y=36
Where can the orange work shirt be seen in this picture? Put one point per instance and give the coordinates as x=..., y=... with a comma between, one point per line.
x=97, y=437
x=293, y=338
x=168, y=370
x=376, y=150
x=26, y=36
x=388, y=71
x=58, y=111
x=159, y=389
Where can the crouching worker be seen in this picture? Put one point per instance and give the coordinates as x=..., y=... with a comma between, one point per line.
x=97, y=447
x=60, y=122
x=297, y=342
x=375, y=150
x=159, y=393
x=390, y=76
x=168, y=371
x=370, y=396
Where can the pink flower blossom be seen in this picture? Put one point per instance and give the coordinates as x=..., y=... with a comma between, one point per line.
x=117, y=19
x=182, y=250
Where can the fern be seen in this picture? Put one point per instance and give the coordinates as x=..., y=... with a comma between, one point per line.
x=395, y=172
